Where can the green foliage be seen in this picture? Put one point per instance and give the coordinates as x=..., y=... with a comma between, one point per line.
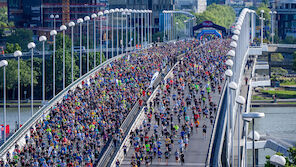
x=277, y=57
x=4, y=24
x=11, y=74
x=156, y=35
x=285, y=94
x=219, y=14
x=20, y=36
x=289, y=40
x=11, y=48
x=266, y=14
x=290, y=161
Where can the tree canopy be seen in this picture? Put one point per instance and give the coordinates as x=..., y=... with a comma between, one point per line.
x=219, y=14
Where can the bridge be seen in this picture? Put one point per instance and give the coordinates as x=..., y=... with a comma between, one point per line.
x=105, y=111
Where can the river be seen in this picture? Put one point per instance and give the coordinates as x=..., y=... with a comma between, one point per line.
x=279, y=122
x=12, y=116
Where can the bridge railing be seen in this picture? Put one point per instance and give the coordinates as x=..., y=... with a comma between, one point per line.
x=211, y=147
x=19, y=135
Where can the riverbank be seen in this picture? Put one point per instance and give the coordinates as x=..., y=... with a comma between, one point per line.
x=271, y=103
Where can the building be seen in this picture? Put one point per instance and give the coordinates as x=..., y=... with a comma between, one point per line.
x=285, y=18
x=157, y=6
x=3, y=3
x=36, y=13
x=196, y=6
x=209, y=2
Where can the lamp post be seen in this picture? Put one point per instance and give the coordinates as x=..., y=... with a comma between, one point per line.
x=64, y=28
x=31, y=46
x=106, y=12
x=241, y=101
x=87, y=18
x=233, y=86
x=145, y=27
x=126, y=29
x=54, y=17
x=130, y=27
x=121, y=41
x=228, y=74
x=142, y=28
x=262, y=12
x=273, y=14
x=278, y=160
x=43, y=40
x=100, y=15
x=72, y=24
x=4, y=63
x=18, y=54
x=164, y=15
x=117, y=31
x=80, y=21
x=112, y=36
x=135, y=29
x=53, y=33
x=253, y=115
x=94, y=17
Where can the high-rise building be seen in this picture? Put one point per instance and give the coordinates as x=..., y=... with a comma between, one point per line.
x=36, y=13
x=197, y=6
x=157, y=6
x=285, y=18
x=3, y=3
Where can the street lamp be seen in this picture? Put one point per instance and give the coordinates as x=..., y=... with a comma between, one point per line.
x=228, y=74
x=138, y=32
x=64, y=28
x=117, y=31
x=4, y=63
x=87, y=18
x=80, y=21
x=43, y=40
x=72, y=24
x=112, y=37
x=135, y=29
x=54, y=17
x=233, y=86
x=94, y=17
x=100, y=15
x=142, y=28
x=121, y=41
x=18, y=54
x=130, y=27
x=53, y=33
x=262, y=12
x=106, y=12
x=240, y=100
x=278, y=160
x=272, y=13
x=253, y=115
x=31, y=46
x=126, y=29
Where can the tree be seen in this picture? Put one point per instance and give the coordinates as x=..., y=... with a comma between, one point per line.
x=290, y=161
x=219, y=14
x=11, y=75
x=11, y=48
x=20, y=36
x=4, y=24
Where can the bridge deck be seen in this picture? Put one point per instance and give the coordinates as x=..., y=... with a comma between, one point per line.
x=196, y=153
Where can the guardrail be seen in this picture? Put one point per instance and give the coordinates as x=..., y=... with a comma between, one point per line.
x=19, y=135
x=212, y=139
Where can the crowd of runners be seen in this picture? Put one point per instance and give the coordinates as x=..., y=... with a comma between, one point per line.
x=76, y=129
x=183, y=105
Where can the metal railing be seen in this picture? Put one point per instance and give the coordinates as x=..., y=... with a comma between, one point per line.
x=212, y=139
x=112, y=150
x=45, y=109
